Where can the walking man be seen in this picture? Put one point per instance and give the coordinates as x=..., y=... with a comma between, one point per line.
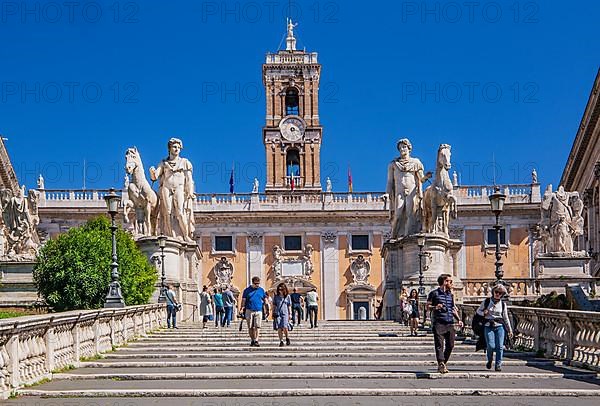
x=171, y=307
x=297, y=307
x=228, y=303
x=312, y=302
x=441, y=302
x=253, y=299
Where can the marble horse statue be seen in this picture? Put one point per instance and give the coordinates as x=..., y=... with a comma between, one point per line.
x=439, y=203
x=142, y=198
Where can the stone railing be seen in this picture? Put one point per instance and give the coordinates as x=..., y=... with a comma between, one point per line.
x=32, y=347
x=291, y=202
x=568, y=335
x=297, y=200
x=525, y=288
x=287, y=57
x=517, y=193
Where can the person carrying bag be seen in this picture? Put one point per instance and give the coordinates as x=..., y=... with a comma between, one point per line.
x=493, y=324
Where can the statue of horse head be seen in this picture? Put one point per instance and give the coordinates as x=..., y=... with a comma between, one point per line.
x=132, y=160
x=443, y=157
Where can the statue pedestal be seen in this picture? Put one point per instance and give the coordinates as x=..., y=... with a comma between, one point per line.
x=16, y=284
x=555, y=270
x=402, y=267
x=182, y=261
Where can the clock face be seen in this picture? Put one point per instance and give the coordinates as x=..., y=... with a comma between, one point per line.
x=292, y=128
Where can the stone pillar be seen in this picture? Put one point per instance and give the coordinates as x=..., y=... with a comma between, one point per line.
x=49, y=340
x=12, y=347
x=255, y=256
x=181, y=269
x=330, y=275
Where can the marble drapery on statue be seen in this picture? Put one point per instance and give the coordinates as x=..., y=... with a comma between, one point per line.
x=175, y=193
x=18, y=235
x=404, y=187
x=562, y=221
x=439, y=203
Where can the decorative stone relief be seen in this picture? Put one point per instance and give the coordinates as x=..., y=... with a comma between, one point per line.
x=329, y=237
x=255, y=238
x=304, y=261
x=224, y=272
x=361, y=269
x=19, y=240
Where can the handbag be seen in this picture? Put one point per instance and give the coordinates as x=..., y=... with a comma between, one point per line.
x=177, y=306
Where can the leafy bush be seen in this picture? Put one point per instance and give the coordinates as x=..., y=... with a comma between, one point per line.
x=73, y=270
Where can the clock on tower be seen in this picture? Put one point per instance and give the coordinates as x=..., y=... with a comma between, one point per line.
x=292, y=133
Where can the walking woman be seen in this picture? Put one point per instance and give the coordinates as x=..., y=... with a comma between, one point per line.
x=497, y=324
x=205, y=306
x=413, y=321
x=282, y=305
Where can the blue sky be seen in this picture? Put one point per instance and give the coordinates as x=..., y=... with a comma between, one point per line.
x=503, y=79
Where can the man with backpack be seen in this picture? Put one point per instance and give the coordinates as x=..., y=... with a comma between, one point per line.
x=441, y=302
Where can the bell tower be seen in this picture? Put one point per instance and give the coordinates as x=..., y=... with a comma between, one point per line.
x=292, y=133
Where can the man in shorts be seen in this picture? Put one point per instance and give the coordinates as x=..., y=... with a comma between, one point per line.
x=253, y=299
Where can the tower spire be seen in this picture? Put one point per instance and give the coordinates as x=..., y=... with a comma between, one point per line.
x=291, y=39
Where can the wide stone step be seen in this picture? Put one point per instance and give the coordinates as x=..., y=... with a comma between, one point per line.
x=397, y=348
x=139, y=376
x=299, y=362
x=310, y=387
x=429, y=369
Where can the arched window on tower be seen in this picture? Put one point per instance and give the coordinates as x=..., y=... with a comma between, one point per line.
x=292, y=102
x=292, y=164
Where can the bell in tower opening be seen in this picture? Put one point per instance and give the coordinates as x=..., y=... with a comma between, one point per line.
x=292, y=133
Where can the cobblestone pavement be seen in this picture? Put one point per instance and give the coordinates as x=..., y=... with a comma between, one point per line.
x=338, y=363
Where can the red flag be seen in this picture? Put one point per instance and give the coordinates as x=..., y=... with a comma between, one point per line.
x=349, y=179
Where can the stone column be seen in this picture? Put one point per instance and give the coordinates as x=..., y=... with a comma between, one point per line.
x=330, y=275
x=255, y=256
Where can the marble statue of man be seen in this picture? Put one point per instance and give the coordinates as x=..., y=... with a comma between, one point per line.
x=562, y=220
x=255, y=186
x=176, y=193
x=328, y=186
x=404, y=187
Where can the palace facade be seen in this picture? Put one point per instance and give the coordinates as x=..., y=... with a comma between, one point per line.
x=300, y=232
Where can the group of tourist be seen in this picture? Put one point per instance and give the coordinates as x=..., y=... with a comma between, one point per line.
x=285, y=309
x=493, y=316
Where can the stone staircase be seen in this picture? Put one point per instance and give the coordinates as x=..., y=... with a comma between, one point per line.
x=338, y=360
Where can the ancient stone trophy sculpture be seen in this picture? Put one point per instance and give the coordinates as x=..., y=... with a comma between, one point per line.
x=439, y=203
x=175, y=193
x=142, y=199
x=19, y=239
x=562, y=221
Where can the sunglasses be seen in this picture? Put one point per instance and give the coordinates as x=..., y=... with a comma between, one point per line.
x=499, y=293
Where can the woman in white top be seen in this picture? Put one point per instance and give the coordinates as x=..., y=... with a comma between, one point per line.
x=497, y=325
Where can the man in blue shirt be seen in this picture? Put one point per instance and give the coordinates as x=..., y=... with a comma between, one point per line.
x=441, y=302
x=252, y=304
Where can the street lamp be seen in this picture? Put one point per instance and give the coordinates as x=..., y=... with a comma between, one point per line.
x=114, y=298
x=497, y=202
x=421, y=244
x=422, y=296
x=162, y=242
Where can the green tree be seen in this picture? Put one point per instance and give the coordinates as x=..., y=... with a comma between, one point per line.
x=73, y=270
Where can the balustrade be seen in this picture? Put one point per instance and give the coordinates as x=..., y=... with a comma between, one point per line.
x=32, y=347
x=569, y=335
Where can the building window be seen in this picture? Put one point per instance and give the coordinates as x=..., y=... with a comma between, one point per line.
x=360, y=242
x=292, y=162
x=292, y=102
x=491, y=236
x=223, y=243
x=292, y=243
